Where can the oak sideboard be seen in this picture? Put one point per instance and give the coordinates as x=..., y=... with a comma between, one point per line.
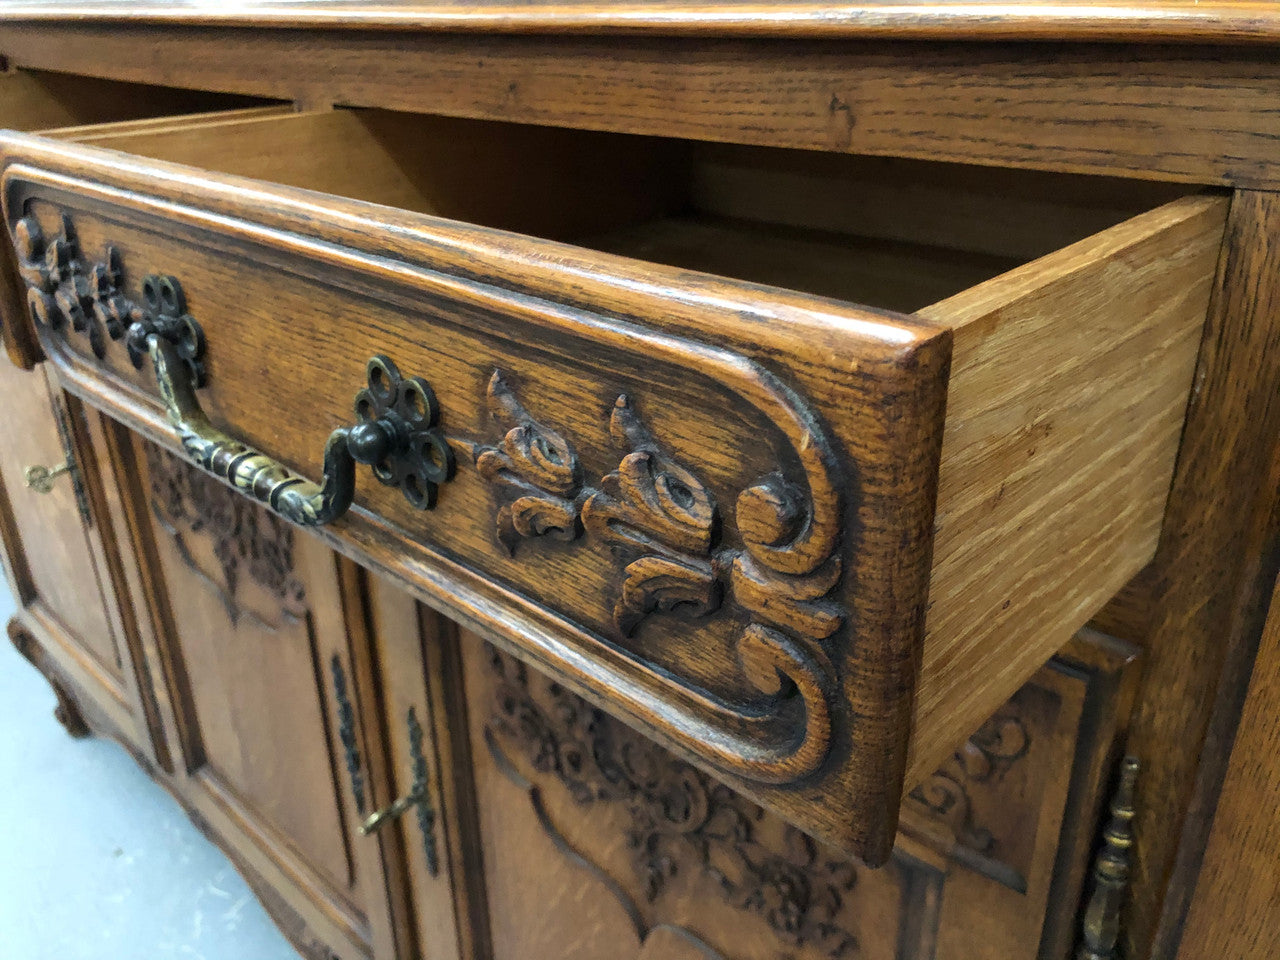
x=664, y=480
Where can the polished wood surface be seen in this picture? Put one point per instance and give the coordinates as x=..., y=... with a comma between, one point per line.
x=1236, y=908
x=1211, y=21
x=1183, y=113
x=538, y=824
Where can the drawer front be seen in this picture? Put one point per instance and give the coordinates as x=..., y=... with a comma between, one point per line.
x=704, y=504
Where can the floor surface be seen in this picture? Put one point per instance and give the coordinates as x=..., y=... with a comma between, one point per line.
x=96, y=861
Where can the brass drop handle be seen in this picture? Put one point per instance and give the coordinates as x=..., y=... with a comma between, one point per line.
x=395, y=433
x=40, y=478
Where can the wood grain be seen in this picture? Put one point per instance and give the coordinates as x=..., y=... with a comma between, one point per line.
x=1212, y=21
x=897, y=357
x=1183, y=113
x=255, y=709
x=598, y=843
x=1215, y=563
x=1069, y=384
x=1235, y=911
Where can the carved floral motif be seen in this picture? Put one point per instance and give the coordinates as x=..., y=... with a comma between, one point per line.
x=680, y=819
x=247, y=540
x=984, y=758
x=64, y=290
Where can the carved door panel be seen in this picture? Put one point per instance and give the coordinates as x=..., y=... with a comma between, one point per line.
x=255, y=631
x=598, y=845
x=69, y=624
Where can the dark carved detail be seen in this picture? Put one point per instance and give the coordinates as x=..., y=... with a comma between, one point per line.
x=66, y=711
x=537, y=471
x=680, y=818
x=779, y=564
x=347, y=732
x=424, y=808
x=663, y=523
x=984, y=758
x=247, y=541
x=396, y=432
x=63, y=291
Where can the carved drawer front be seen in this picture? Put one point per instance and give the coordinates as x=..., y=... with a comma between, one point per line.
x=598, y=843
x=706, y=503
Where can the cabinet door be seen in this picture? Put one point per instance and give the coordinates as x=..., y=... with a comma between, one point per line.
x=257, y=630
x=599, y=845
x=69, y=623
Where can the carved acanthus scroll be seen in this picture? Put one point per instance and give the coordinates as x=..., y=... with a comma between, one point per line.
x=663, y=523
x=537, y=471
x=661, y=520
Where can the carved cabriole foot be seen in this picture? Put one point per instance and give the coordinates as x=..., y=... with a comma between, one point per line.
x=67, y=712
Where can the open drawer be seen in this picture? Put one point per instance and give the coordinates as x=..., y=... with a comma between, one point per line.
x=706, y=504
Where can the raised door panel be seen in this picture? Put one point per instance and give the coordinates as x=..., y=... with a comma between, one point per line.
x=599, y=845
x=426, y=755
x=56, y=565
x=255, y=639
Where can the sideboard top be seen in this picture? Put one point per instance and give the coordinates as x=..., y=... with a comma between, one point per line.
x=1151, y=21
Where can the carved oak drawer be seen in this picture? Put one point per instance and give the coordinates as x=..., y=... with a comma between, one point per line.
x=707, y=504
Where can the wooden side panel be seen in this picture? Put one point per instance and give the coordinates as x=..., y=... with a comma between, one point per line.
x=596, y=843
x=1069, y=386
x=257, y=660
x=1214, y=569
x=1235, y=911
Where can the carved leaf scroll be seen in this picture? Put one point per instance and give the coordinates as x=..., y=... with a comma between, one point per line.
x=655, y=507
x=537, y=470
x=663, y=524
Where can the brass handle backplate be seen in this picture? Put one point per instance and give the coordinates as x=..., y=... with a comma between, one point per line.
x=41, y=478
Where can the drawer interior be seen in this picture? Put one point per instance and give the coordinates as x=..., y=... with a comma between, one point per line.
x=889, y=233
x=40, y=100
